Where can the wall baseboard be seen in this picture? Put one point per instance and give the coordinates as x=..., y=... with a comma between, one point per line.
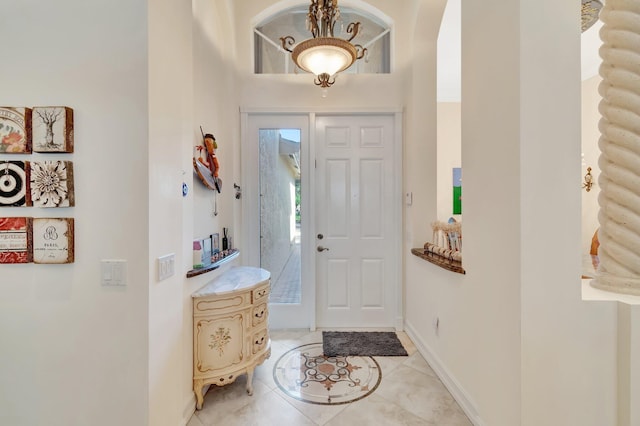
x=449, y=381
x=189, y=409
x=399, y=323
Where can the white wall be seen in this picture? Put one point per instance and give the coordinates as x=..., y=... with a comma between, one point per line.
x=171, y=130
x=74, y=352
x=539, y=354
x=215, y=108
x=515, y=341
x=557, y=328
x=449, y=155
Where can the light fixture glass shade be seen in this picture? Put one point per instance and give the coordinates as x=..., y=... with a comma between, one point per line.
x=590, y=13
x=324, y=55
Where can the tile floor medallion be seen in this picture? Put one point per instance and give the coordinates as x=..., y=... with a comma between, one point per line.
x=306, y=374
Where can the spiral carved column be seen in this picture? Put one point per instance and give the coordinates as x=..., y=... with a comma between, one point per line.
x=619, y=162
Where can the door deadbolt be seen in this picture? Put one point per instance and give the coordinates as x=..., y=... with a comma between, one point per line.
x=320, y=236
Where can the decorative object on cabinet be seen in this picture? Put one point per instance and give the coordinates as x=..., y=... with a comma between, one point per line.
x=446, y=249
x=206, y=251
x=217, y=260
x=324, y=55
x=53, y=240
x=230, y=334
x=14, y=184
x=52, y=128
x=15, y=130
x=588, y=180
x=447, y=235
x=215, y=246
x=225, y=239
x=16, y=240
x=51, y=183
x=198, y=254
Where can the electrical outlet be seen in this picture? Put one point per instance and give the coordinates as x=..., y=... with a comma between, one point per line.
x=166, y=266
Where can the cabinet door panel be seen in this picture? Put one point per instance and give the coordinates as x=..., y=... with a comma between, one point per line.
x=219, y=342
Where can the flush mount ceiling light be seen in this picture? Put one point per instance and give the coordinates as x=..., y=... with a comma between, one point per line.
x=324, y=55
x=590, y=13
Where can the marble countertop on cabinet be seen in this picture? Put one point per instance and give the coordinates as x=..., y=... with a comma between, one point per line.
x=234, y=279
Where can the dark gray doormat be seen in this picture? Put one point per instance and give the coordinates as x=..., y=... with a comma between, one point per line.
x=362, y=343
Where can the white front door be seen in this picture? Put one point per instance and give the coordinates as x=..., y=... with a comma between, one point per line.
x=357, y=221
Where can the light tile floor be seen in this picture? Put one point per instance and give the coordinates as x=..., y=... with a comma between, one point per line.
x=410, y=393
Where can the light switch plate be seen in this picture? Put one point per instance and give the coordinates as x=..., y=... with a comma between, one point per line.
x=166, y=266
x=113, y=272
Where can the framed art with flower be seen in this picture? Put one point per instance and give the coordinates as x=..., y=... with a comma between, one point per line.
x=51, y=183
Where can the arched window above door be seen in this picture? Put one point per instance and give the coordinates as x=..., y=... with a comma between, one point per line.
x=270, y=58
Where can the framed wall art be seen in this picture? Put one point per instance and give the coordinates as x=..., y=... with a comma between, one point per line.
x=53, y=240
x=15, y=130
x=16, y=240
x=52, y=129
x=14, y=184
x=51, y=183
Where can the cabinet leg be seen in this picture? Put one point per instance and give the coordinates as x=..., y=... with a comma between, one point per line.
x=250, y=381
x=197, y=389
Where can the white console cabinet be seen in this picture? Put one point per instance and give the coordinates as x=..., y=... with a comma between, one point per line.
x=230, y=334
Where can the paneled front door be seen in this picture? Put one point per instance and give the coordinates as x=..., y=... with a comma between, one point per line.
x=356, y=221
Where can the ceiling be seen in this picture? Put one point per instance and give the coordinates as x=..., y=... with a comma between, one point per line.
x=449, y=53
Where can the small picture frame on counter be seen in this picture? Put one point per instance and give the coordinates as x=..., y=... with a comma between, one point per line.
x=215, y=243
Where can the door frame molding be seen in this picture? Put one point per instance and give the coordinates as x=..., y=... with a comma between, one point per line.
x=248, y=249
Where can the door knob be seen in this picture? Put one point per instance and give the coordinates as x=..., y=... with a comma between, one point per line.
x=320, y=248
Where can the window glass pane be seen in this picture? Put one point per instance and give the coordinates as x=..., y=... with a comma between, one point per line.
x=280, y=215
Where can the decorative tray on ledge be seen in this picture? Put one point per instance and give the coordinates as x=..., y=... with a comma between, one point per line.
x=447, y=260
x=231, y=254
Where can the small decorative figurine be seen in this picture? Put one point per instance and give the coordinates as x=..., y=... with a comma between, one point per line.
x=206, y=165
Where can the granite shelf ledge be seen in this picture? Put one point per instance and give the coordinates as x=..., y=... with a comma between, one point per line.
x=441, y=261
x=214, y=265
